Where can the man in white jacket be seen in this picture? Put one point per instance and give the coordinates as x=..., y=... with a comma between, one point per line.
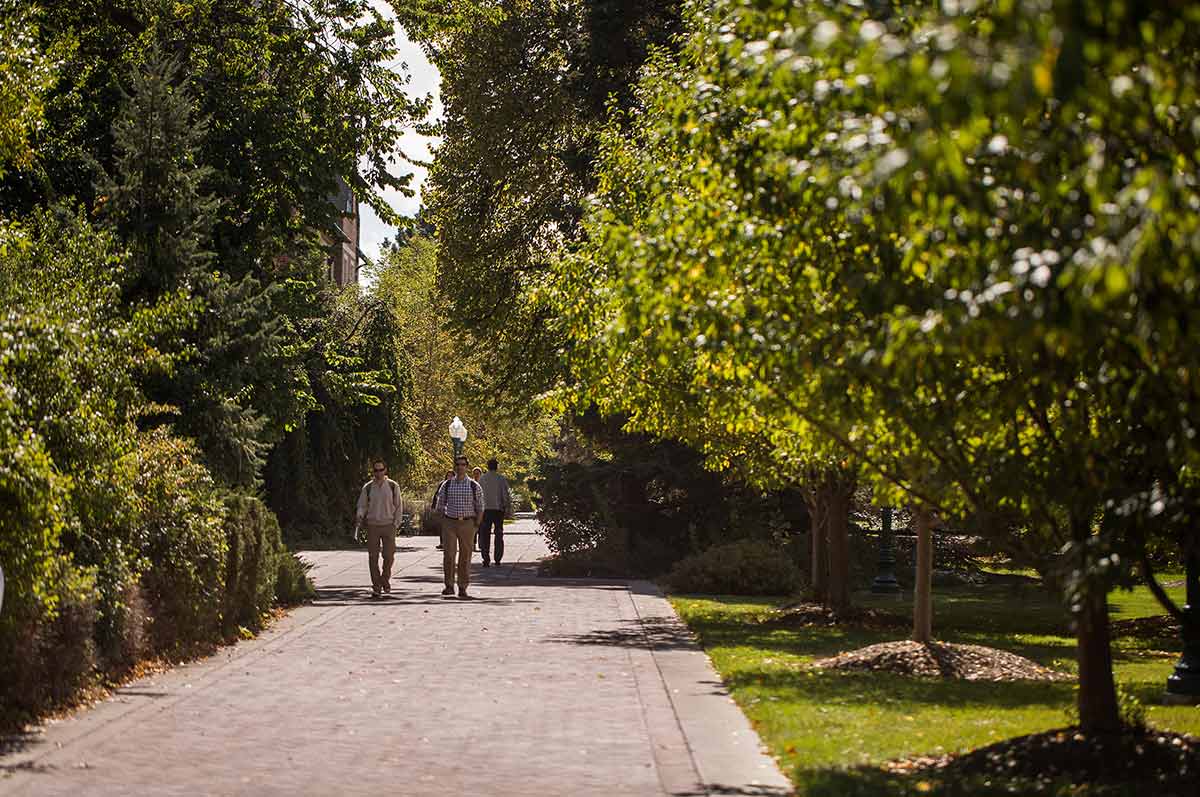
x=380, y=509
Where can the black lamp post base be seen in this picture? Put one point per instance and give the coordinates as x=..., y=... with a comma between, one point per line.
x=1183, y=685
x=885, y=585
x=885, y=582
x=1176, y=699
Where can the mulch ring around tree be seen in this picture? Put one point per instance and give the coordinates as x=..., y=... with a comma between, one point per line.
x=942, y=660
x=810, y=615
x=1159, y=763
x=1162, y=627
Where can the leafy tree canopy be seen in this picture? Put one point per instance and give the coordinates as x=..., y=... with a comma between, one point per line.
x=525, y=87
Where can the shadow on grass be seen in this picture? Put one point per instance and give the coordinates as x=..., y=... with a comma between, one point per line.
x=830, y=688
x=873, y=782
x=862, y=782
x=824, y=641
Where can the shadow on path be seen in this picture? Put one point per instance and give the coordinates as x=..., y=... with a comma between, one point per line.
x=428, y=593
x=12, y=744
x=16, y=742
x=656, y=632
x=721, y=790
x=26, y=766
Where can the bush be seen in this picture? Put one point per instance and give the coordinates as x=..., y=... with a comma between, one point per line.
x=254, y=551
x=45, y=657
x=627, y=503
x=67, y=650
x=292, y=584
x=184, y=543
x=31, y=498
x=744, y=567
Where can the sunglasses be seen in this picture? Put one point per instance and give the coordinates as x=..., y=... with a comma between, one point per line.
x=379, y=470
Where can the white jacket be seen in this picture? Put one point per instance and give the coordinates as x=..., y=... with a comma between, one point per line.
x=379, y=507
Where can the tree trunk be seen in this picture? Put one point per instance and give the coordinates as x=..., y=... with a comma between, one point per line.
x=820, y=527
x=836, y=520
x=1098, y=710
x=923, y=588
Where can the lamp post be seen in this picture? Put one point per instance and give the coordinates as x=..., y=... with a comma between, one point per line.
x=458, y=435
x=1183, y=686
x=885, y=582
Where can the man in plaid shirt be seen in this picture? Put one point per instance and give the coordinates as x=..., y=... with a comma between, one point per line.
x=460, y=502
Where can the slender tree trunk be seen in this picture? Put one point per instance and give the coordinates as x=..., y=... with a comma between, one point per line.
x=923, y=589
x=1098, y=710
x=820, y=528
x=838, y=498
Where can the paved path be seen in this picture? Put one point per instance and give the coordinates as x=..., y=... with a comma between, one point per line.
x=537, y=687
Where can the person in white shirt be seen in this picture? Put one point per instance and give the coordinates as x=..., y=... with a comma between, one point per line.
x=496, y=503
x=380, y=509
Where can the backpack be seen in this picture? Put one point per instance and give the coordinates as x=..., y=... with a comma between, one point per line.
x=436, y=493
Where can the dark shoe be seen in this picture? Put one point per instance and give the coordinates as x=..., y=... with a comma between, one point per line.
x=387, y=588
x=439, y=546
x=374, y=592
x=448, y=591
x=486, y=563
x=462, y=594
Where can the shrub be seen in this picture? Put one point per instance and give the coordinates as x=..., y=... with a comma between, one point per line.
x=744, y=567
x=46, y=656
x=67, y=651
x=184, y=542
x=31, y=499
x=254, y=554
x=614, y=501
x=292, y=584
x=121, y=611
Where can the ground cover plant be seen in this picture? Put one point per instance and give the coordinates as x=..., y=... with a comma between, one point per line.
x=875, y=733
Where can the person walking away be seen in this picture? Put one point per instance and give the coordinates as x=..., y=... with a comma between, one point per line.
x=496, y=502
x=460, y=502
x=433, y=506
x=380, y=509
x=476, y=473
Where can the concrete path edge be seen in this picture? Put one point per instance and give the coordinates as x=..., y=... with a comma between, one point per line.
x=724, y=749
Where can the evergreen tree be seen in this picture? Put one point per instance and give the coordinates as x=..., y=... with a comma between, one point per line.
x=232, y=337
x=156, y=202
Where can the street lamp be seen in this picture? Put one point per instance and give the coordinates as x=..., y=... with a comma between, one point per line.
x=458, y=436
x=885, y=582
x=1184, y=684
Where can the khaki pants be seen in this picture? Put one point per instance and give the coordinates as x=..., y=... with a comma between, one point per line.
x=377, y=536
x=458, y=537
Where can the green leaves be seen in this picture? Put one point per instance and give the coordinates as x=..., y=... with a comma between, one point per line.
x=26, y=74
x=907, y=241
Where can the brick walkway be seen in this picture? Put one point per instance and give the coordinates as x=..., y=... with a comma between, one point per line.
x=541, y=687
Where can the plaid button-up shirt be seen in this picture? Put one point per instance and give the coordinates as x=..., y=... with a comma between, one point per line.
x=461, y=498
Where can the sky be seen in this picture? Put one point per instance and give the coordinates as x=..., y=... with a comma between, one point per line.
x=424, y=79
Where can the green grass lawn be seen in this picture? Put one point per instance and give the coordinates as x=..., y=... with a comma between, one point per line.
x=821, y=725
